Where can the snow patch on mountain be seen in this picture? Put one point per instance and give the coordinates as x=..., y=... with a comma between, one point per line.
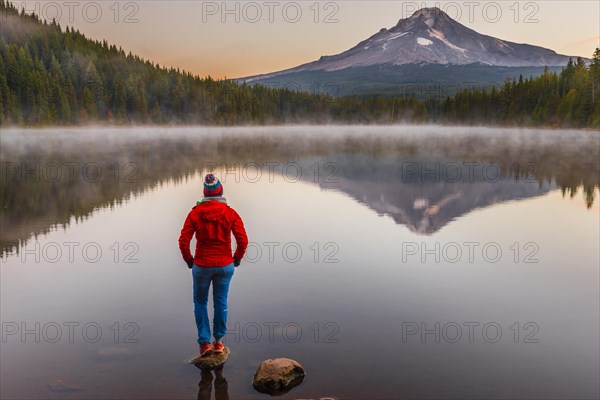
x=423, y=41
x=392, y=37
x=440, y=36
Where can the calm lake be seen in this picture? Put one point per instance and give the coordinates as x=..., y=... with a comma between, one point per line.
x=391, y=262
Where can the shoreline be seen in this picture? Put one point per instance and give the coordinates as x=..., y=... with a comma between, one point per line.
x=296, y=125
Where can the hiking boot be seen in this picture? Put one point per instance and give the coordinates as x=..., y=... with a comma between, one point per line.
x=205, y=349
x=218, y=346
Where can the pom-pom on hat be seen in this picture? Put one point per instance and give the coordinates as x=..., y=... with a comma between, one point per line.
x=212, y=186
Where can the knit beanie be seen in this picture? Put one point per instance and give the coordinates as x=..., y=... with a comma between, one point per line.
x=212, y=186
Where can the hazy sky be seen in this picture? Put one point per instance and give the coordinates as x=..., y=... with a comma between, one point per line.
x=241, y=38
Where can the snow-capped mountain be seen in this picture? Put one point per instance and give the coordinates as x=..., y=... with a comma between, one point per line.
x=429, y=36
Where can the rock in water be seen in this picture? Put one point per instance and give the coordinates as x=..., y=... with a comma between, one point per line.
x=61, y=386
x=211, y=360
x=278, y=376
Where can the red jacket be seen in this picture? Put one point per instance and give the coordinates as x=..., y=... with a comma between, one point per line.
x=213, y=222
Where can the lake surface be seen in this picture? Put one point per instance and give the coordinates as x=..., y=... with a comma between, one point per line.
x=391, y=262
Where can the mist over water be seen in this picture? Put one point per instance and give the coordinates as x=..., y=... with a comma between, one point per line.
x=52, y=175
x=390, y=261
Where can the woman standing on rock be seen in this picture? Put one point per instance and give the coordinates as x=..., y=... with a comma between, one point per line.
x=213, y=222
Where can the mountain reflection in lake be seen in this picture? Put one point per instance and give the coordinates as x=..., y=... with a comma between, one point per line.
x=422, y=177
x=378, y=319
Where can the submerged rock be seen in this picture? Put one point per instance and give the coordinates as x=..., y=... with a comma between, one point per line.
x=278, y=376
x=61, y=386
x=211, y=360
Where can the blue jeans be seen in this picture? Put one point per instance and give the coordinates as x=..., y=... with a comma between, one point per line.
x=220, y=278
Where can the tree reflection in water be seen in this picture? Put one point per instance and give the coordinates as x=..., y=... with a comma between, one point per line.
x=49, y=177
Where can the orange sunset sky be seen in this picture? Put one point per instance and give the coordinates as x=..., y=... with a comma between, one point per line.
x=241, y=38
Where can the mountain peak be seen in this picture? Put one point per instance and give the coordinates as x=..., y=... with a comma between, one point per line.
x=428, y=12
x=430, y=16
x=430, y=36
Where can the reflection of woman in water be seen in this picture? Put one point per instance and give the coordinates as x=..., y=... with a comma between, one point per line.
x=205, y=385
